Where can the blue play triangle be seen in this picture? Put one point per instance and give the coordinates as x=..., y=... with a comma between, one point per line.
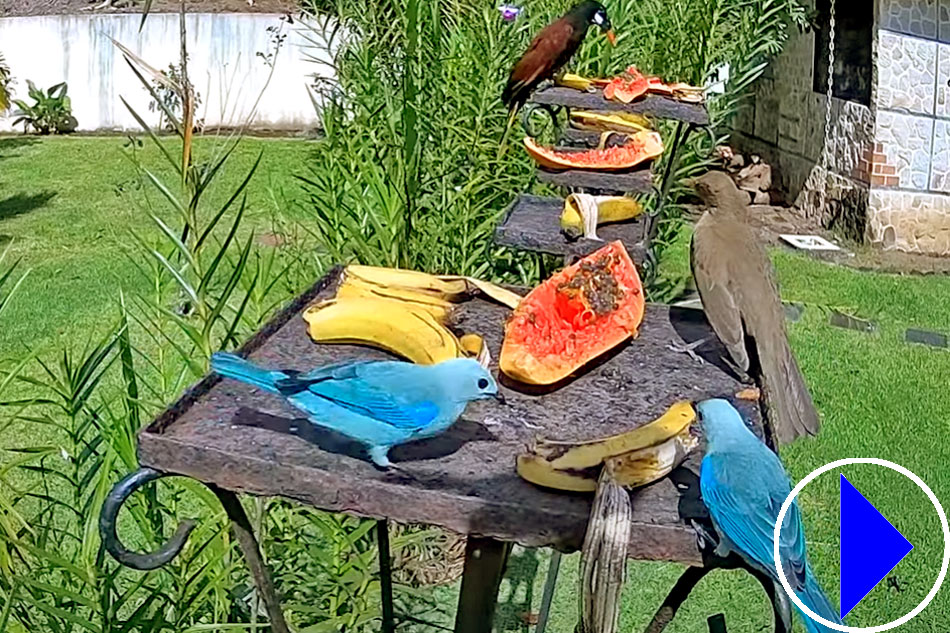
x=870, y=547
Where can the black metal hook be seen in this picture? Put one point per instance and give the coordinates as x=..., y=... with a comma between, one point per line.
x=529, y=109
x=110, y=512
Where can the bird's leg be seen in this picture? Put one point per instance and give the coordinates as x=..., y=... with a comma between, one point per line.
x=739, y=372
x=688, y=349
x=380, y=456
x=705, y=537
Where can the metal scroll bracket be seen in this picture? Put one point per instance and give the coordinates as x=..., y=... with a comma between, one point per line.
x=529, y=109
x=240, y=525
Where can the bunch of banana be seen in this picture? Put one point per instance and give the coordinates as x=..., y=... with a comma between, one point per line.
x=403, y=312
x=636, y=458
x=399, y=327
x=629, y=122
x=609, y=209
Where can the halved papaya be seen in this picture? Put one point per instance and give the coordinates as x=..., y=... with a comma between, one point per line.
x=627, y=87
x=642, y=146
x=572, y=318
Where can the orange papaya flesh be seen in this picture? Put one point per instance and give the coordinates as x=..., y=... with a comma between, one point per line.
x=640, y=147
x=578, y=314
x=627, y=87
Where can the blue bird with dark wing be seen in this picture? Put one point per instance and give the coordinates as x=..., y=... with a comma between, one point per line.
x=744, y=485
x=377, y=403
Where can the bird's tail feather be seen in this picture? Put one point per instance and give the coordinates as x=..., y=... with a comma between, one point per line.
x=787, y=395
x=502, y=145
x=232, y=366
x=816, y=600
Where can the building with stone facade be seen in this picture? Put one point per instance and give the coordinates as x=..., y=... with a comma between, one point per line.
x=889, y=138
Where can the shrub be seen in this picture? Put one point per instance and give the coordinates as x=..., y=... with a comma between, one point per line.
x=51, y=110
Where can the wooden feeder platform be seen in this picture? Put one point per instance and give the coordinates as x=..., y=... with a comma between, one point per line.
x=238, y=439
x=533, y=223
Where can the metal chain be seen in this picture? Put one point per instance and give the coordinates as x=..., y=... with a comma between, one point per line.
x=829, y=94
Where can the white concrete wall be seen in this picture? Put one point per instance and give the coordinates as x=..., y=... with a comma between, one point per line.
x=224, y=65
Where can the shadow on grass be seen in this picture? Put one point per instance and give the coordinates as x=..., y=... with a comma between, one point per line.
x=9, y=145
x=21, y=203
x=514, y=614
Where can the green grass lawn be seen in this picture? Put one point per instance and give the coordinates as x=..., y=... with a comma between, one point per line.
x=67, y=205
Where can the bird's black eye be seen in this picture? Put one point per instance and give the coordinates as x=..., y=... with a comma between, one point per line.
x=482, y=383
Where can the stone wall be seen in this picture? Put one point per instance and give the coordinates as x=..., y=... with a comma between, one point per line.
x=909, y=207
x=784, y=121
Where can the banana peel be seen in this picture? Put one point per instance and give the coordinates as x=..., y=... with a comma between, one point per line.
x=610, y=121
x=579, y=455
x=578, y=82
x=609, y=209
x=446, y=287
x=637, y=457
x=354, y=287
x=631, y=470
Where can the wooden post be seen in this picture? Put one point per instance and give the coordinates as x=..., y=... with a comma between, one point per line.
x=485, y=560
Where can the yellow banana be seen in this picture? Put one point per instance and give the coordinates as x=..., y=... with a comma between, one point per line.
x=474, y=346
x=446, y=287
x=538, y=471
x=352, y=287
x=580, y=455
x=391, y=325
x=570, y=80
x=409, y=279
x=610, y=121
x=631, y=470
x=609, y=209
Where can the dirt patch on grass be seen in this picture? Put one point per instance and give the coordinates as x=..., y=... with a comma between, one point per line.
x=10, y=8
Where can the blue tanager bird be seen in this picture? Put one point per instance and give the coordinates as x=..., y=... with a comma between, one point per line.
x=744, y=485
x=377, y=403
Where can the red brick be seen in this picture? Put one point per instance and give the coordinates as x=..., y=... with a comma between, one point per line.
x=878, y=158
x=879, y=147
x=878, y=180
x=878, y=169
x=892, y=181
x=888, y=170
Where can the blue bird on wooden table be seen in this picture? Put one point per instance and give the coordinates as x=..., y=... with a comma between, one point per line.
x=744, y=485
x=377, y=403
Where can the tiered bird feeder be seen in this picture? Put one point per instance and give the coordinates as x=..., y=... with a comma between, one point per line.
x=531, y=222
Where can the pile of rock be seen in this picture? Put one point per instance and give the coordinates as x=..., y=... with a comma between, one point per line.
x=752, y=175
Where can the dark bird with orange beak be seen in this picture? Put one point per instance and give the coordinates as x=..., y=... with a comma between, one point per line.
x=551, y=50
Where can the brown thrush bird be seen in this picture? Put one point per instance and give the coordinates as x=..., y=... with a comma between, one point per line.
x=736, y=283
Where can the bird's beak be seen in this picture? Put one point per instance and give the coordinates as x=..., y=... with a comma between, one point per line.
x=611, y=37
x=500, y=397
